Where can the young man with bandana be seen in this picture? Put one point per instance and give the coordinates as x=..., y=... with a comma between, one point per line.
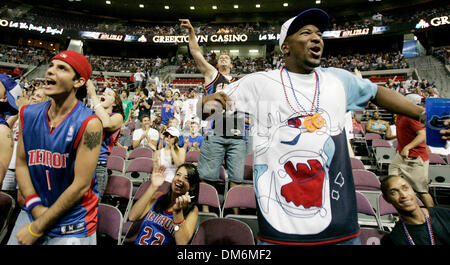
x=57, y=152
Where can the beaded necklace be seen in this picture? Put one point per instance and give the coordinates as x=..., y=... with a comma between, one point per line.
x=430, y=231
x=313, y=121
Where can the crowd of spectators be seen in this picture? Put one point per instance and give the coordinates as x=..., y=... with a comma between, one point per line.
x=79, y=22
x=367, y=62
x=443, y=54
x=126, y=65
x=24, y=55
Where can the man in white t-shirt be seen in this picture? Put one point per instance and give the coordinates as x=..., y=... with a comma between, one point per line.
x=146, y=136
x=303, y=179
x=138, y=78
x=189, y=108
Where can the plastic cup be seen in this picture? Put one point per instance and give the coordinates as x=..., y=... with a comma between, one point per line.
x=438, y=111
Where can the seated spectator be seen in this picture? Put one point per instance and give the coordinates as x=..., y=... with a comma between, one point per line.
x=431, y=92
x=146, y=136
x=194, y=141
x=168, y=218
x=173, y=122
x=416, y=225
x=171, y=156
x=379, y=126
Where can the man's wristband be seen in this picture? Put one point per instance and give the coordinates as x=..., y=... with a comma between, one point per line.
x=32, y=233
x=31, y=202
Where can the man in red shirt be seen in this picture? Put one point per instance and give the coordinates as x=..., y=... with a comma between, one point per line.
x=412, y=160
x=16, y=72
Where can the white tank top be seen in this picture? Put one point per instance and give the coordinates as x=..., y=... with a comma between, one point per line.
x=166, y=160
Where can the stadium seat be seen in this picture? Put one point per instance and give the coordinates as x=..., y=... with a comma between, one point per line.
x=371, y=236
x=383, y=153
x=139, y=170
x=7, y=204
x=140, y=152
x=115, y=165
x=436, y=159
x=439, y=176
x=242, y=197
x=208, y=196
x=223, y=231
x=386, y=213
x=109, y=225
x=118, y=193
x=365, y=180
x=356, y=163
x=192, y=156
x=248, y=169
x=366, y=213
x=119, y=151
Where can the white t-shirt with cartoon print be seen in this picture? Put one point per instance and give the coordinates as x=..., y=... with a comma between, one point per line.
x=303, y=180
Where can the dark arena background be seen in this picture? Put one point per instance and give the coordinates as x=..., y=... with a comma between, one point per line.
x=400, y=44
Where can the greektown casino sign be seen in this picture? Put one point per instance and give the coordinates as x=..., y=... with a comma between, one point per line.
x=435, y=22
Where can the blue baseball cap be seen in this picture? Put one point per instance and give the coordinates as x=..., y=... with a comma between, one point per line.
x=313, y=16
x=13, y=90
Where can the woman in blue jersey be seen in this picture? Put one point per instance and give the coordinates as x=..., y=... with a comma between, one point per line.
x=169, y=218
x=9, y=93
x=108, y=107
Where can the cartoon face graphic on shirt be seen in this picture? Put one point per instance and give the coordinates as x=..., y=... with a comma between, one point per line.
x=294, y=185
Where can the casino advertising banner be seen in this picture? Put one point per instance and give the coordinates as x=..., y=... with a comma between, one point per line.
x=217, y=38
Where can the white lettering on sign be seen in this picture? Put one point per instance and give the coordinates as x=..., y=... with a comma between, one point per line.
x=438, y=21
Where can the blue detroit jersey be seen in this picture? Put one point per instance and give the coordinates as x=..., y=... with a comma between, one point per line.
x=156, y=228
x=51, y=162
x=166, y=111
x=109, y=140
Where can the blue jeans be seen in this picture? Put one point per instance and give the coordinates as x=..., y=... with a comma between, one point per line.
x=101, y=173
x=212, y=153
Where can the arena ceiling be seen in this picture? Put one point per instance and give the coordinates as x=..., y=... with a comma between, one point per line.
x=156, y=10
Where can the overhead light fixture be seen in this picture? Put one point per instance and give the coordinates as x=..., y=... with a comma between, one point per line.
x=166, y=7
x=236, y=6
x=234, y=50
x=108, y=2
x=141, y=5
x=216, y=51
x=258, y=5
x=317, y=2
x=192, y=7
x=214, y=7
x=285, y=4
x=253, y=51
